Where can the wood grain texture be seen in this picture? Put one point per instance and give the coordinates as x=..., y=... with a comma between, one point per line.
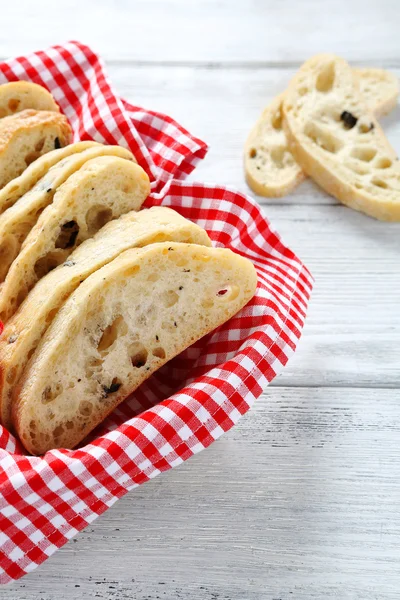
x=301, y=500
x=237, y=97
x=208, y=31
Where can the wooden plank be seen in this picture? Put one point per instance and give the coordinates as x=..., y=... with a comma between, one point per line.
x=352, y=333
x=300, y=501
x=221, y=107
x=228, y=30
x=351, y=336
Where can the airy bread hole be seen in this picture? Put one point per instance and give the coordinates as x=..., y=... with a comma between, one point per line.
x=379, y=183
x=31, y=157
x=46, y=264
x=276, y=120
x=57, y=431
x=8, y=251
x=131, y=271
x=160, y=237
x=253, y=153
x=363, y=153
x=326, y=78
x=383, y=163
x=39, y=145
x=49, y=393
x=138, y=355
x=159, y=352
x=324, y=139
x=85, y=408
x=365, y=127
x=277, y=155
x=117, y=328
x=13, y=104
x=358, y=168
x=170, y=298
x=69, y=424
x=97, y=217
x=228, y=292
x=67, y=236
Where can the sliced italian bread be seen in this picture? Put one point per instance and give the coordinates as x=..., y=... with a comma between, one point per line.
x=17, y=221
x=26, y=136
x=102, y=190
x=270, y=168
x=20, y=185
x=122, y=324
x=20, y=95
x=338, y=142
x=24, y=330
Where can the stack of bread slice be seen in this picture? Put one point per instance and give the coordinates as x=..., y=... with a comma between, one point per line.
x=97, y=293
x=325, y=126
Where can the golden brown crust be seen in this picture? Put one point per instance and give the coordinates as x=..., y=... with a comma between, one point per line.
x=87, y=314
x=325, y=146
x=17, y=96
x=27, y=119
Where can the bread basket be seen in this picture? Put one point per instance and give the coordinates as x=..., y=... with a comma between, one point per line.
x=196, y=397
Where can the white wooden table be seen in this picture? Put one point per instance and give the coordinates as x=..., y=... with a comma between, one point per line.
x=302, y=499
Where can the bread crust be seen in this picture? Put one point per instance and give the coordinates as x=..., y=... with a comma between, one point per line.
x=277, y=178
x=107, y=300
x=337, y=140
x=17, y=96
x=24, y=330
x=103, y=189
x=27, y=135
x=18, y=220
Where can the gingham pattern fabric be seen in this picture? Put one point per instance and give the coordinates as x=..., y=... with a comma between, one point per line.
x=196, y=397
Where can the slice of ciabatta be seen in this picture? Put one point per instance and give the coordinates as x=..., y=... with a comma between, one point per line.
x=17, y=221
x=20, y=95
x=24, y=330
x=338, y=142
x=122, y=324
x=20, y=185
x=26, y=136
x=102, y=190
x=270, y=168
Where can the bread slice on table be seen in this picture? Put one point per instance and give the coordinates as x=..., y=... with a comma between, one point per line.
x=17, y=221
x=17, y=187
x=21, y=95
x=103, y=189
x=122, y=324
x=26, y=136
x=24, y=330
x=337, y=141
x=270, y=168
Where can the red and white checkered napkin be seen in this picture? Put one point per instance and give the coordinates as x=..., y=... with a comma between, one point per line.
x=196, y=397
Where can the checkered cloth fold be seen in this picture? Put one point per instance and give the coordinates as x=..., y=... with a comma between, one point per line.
x=196, y=397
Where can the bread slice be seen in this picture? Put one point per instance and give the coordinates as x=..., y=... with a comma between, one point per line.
x=338, y=142
x=122, y=324
x=20, y=95
x=17, y=221
x=270, y=168
x=24, y=330
x=103, y=189
x=26, y=136
x=20, y=185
